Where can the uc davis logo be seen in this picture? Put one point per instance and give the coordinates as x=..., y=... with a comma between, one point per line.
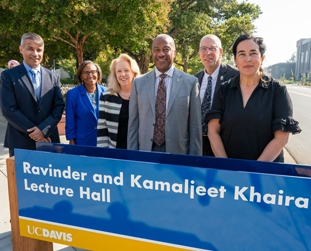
x=52, y=234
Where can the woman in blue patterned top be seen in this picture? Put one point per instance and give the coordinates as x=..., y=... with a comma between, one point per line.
x=82, y=105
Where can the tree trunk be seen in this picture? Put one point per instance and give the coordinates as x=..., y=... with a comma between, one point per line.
x=185, y=67
x=143, y=63
x=79, y=49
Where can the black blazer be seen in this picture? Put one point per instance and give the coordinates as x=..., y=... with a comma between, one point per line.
x=225, y=73
x=22, y=111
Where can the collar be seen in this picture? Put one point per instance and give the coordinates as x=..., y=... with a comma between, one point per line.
x=263, y=82
x=214, y=74
x=169, y=72
x=28, y=68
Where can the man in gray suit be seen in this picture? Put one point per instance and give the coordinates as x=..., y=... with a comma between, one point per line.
x=31, y=99
x=180, y=127
x=210, y=54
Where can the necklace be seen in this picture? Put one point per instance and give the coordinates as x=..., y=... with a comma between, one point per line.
x=92, y=98
x=125, y=94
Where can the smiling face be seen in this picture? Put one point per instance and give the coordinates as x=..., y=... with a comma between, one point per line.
x=124, y=74
x=89, y=75
x=248, y=58
x=210, y=53
x=163, y=52
x=32, y=53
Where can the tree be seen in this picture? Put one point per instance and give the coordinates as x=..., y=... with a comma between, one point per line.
x=191, y=20
x=90, y=24
x=292, y=58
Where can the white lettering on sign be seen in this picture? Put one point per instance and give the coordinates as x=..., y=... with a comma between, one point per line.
x=53, y=172
x=269, y=198
x=182, y=188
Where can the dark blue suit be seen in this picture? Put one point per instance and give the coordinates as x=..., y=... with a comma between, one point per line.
x=81, y=118
x=22, y=111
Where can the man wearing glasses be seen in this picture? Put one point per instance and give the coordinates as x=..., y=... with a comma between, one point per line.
x=215, y=72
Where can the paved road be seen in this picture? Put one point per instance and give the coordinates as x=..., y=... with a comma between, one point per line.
x=299, y=145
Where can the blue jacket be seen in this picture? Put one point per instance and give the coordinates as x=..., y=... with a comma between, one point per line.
x=81, y=117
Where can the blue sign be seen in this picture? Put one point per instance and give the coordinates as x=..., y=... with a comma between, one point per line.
x=160, y=201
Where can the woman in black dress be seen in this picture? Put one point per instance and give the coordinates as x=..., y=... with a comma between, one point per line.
x=114, y=103
x=251, y=115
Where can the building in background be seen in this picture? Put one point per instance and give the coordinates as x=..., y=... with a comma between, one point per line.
x=303, y=58
x=281, y=70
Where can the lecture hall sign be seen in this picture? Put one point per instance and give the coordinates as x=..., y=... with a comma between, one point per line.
x=113, y=204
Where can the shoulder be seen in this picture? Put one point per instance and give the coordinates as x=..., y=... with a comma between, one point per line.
x=101, y=88
x=49, y=72
x=199, y=74
x=76, y=90
x=270, y=82
x=229, y=68
x=107, y=96
x=231, y=83
x=184, y=75
x=147, y=77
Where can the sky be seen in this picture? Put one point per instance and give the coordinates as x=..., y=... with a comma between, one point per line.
x=281, y=24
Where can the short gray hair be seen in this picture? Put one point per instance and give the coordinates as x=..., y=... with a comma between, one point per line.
x=34, y=37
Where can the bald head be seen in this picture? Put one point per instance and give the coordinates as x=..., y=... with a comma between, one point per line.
x=212, y=37
x=210, y=52
x=163, y=52
x=165, y=37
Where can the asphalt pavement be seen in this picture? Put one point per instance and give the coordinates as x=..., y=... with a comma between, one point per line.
x=5, y=226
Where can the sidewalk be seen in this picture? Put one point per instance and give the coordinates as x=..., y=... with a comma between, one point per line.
x=5, y=227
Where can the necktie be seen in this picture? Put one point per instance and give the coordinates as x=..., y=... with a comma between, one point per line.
x=206, y=104
x=159, y=128
x=36, y=82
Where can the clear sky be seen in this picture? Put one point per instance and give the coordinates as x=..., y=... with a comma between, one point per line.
x=281, y=25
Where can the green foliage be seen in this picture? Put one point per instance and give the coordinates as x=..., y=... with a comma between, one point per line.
x=102, y=29
x=69, y=65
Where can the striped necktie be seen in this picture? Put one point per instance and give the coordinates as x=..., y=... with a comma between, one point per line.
x=206, y=104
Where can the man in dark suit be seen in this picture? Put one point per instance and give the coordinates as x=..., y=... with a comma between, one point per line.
x=210, y=54
x=164, y=108
x=31, y=99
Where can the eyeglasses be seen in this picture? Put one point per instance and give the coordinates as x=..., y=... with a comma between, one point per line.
x=86, y=73
x=211, y=49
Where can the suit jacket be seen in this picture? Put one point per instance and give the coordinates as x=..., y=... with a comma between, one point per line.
x=225, y=73
x=183, y=128
x=81, y=117
x=22, y=111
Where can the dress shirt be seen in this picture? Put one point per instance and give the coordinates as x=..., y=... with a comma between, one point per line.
x=167, y=80
x=38, y=69
x=204, y=83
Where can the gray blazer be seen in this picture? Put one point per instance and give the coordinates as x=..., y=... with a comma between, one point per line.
x=183, y=128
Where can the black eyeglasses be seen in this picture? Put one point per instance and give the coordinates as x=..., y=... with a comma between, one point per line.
x=211, y=49
x=86, y=73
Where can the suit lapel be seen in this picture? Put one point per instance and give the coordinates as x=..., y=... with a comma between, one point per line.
x=200, y=77
x=176, y=85
x=221, y=76
x=25, y=78
x=86, y=100
x=151, y=89
x=46, y=85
